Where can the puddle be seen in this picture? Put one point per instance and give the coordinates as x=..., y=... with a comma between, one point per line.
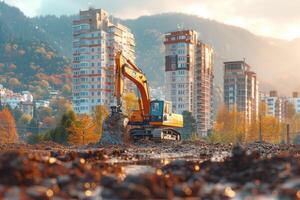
x=138, y=169
x=220, y=156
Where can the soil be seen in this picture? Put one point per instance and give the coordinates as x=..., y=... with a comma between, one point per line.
x=150, y=170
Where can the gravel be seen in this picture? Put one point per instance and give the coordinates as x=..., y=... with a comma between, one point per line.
x=178, y=170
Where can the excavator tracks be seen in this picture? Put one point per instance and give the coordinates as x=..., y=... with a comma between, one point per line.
x=154, y=134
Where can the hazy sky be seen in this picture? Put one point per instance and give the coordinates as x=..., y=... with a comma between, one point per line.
x=274, y=18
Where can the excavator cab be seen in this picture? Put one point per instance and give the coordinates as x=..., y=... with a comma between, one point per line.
x=156, y=111
x=161, y=114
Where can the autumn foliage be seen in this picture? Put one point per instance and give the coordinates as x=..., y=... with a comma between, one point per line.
x=130, y=103
x=231, y=127
x=82, y=131
x=8, y=131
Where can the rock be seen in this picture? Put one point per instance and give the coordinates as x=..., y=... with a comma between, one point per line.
x=12, y=193
x=108, y=181
x=37, y=192
x=62, y=180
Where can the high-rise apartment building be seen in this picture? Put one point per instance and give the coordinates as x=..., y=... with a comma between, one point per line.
x=241, y=89
x=203, y=95
x=95, y=42
x=189, y=76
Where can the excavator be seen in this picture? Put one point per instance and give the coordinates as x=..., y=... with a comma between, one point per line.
x=154, y=118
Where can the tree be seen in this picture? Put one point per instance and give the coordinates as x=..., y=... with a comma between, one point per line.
x=60, y=106
x=82, y=131
x=44, y=112
x=230, y=126
x=130, y=103
x=67, y=90
x=270, y=127
x=100, y=114
x=14, y=83
x=189, y=125
x=33, y=126
x=25, y=119
x=8, y=131
x=12, y=67
x=60, y=133
x=290, y=112
x=49, y=122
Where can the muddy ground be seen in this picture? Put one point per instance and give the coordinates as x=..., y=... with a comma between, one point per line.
x=149, y=170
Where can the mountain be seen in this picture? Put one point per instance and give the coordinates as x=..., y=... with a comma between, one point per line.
x=30, y=58
x=275, y=61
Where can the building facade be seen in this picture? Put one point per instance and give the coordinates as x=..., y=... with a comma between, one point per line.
x=203, y=95
x=241, y=89
x=22, y=101
x=189, y=76
x=295, y=100
x=95, y=42
x=275, y=105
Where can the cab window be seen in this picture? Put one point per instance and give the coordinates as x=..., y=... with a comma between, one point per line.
x=156, y=108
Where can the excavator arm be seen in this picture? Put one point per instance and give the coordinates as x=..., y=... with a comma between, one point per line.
x=126, y=69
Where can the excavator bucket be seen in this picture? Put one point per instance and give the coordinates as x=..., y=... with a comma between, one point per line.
x=114, y=128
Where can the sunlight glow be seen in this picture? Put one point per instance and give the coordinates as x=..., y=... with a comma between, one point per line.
x=199, y=10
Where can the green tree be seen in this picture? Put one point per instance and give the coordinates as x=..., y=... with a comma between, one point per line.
x=60, y=133
x=189, y=125
x=33, y=126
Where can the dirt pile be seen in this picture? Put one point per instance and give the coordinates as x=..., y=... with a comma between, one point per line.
x=114, y=129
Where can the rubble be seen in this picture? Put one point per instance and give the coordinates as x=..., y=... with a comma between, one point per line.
x=178, y=170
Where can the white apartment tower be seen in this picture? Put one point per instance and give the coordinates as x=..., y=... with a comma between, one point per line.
x=95, y=42
x=189, y=77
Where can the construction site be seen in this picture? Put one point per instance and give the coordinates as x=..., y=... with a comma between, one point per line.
x=195, y=125
x=149, y=170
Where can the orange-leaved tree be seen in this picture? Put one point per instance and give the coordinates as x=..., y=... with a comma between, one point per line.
x=8, y=131
x=82, y=131
x=230, y=126
x=130, y=103
x=268, y=126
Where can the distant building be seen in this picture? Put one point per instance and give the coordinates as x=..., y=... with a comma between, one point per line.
x=189, y=76
x=27, y=107
x=275, y=105
x=22, y=101
x=42, y=104
x=28, y=97
x=241, y=89
x=95, y=40
x=295, y=100
x=12, y=99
